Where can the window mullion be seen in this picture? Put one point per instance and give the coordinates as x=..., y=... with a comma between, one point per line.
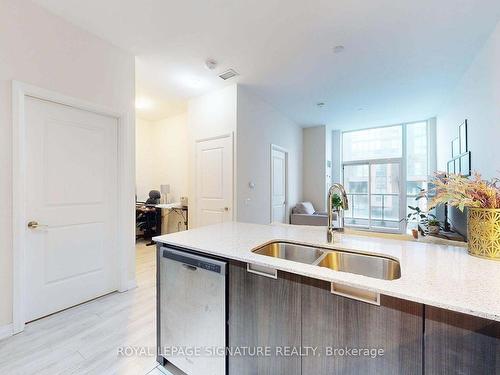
x=370, y=195
x=403, y=182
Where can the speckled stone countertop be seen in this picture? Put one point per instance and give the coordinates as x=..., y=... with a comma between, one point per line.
x=437, y=275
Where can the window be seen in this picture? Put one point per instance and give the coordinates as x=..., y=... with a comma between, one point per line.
x=356, y=179
x=373, y=190
x=417, y=161
x=375, y=162
x=378, y=143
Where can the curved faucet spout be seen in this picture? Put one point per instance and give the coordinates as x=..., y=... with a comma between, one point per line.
x=336, y=188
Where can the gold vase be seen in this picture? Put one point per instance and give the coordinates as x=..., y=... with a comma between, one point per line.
x=483, y=232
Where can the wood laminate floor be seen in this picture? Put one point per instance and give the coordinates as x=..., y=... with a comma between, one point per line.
x=86, y=339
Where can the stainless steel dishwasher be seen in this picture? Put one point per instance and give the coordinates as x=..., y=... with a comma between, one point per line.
x=192, y=312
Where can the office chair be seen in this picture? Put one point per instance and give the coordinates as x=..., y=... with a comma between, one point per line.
x=154, y=197
x=146, y=217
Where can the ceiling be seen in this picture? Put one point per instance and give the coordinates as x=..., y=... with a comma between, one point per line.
x=401, y=58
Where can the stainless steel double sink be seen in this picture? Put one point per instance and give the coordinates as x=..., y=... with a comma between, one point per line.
x=375, y=266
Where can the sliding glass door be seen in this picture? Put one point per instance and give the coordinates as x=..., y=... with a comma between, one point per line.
x=385, y=195
x=356, y=184
x=374, y=190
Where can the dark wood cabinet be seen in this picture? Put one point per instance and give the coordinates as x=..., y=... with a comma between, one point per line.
x=460, y=344
x=263, y=312
x=295, y=311
x=330, y=321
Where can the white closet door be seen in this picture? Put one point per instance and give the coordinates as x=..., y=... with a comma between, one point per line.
x=71, y=180
x=214, y=181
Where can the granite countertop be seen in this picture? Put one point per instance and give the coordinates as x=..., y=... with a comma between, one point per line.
x=437, y=275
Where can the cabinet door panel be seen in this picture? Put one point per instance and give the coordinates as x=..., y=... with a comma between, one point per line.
x=460, y=344
x=331, y=321
x=263, y=312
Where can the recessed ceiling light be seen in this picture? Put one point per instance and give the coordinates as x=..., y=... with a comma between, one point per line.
x=338, y=49
x=320, y=104
x=143, y=103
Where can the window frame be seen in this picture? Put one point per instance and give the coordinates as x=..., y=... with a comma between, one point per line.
x=403, y=160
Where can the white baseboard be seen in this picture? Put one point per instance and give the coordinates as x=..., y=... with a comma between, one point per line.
x=132, y=284
x=129, y=285
x=6, y=331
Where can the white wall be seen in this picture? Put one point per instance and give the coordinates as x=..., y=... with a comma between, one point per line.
x=162, y=153
x=210, y=115
x=171, y=161
x=144, y=158
x=477, y=99
x=259, y=126
x=314, y=167
x=42, y=49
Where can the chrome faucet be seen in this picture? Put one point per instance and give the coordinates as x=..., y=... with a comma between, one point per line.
x=340, y=211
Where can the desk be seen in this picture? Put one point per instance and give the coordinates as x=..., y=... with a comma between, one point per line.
x=169, y=206
x=176, y=207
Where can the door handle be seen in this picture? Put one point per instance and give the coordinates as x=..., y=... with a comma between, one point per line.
x=34, y=225
x=262, y=271
x=355, y=293
x=226, y=209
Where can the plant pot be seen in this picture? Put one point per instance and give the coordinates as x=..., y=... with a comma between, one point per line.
x=483, y=232
x=434, y=229
x=414, y=232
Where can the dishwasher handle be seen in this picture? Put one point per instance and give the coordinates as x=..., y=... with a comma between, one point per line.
x=194, y=262
x=189, y=267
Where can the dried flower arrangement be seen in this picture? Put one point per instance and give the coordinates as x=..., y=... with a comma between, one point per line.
x=482, y=197
x=461, y=192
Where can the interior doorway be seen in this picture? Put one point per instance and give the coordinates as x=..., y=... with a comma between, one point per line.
x=279, y=184
x=214, y=180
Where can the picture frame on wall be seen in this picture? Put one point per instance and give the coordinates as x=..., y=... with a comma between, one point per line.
x=462, y=134
x=455, y=147
x=465, y=169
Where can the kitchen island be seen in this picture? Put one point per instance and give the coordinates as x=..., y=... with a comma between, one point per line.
x=440, y=316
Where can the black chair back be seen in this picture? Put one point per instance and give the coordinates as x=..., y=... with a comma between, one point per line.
x=154, y=197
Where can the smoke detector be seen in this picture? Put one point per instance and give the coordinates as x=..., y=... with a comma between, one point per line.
x=230, y=73
x=211, y=64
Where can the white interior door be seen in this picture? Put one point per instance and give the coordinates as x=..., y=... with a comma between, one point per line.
x=71, y=180
x=214, y=181
x=278, y=185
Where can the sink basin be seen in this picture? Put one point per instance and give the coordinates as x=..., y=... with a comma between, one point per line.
x=375, y=266
x=361, y=264
x=290, y=251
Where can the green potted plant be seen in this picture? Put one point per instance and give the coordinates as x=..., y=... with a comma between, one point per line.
x=336, y=202
x=421, y=218
x=433, y=226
